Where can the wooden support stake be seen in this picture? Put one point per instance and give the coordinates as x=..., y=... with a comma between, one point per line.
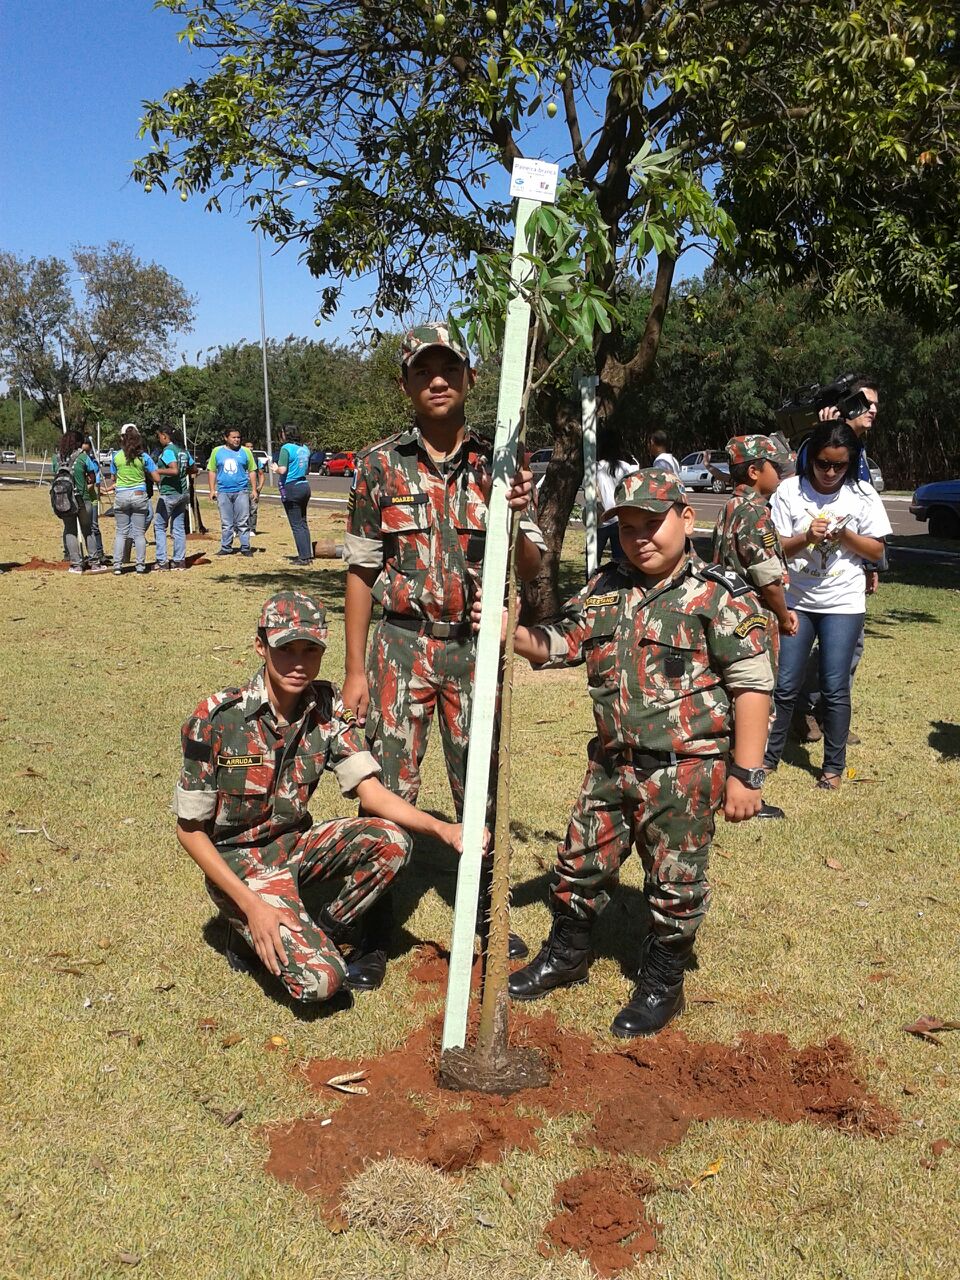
x=588, y=401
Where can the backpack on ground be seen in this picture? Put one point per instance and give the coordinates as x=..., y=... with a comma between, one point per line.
x=63, y=493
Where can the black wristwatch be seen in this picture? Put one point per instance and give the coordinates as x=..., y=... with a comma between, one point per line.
x=752, y=778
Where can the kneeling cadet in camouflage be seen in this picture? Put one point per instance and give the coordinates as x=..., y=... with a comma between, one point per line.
x=669, y=645
x=252, y=758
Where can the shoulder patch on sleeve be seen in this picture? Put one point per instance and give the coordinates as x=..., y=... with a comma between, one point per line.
x=194, y=750
x=756, y=622
x=770, y=539
x=727, y=578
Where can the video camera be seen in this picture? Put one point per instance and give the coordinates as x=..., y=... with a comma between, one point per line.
x=801, y=413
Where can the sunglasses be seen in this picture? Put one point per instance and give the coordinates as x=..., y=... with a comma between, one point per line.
x=830, y=467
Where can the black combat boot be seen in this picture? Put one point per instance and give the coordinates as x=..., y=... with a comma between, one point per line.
x=659, y=995
x=563, y=960
x=517, y=949
x=365, y=942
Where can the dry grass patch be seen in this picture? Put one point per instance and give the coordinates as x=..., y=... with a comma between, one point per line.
x=403, y=1200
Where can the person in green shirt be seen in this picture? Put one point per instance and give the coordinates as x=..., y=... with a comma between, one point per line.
x=79, y=524
x=173, y=499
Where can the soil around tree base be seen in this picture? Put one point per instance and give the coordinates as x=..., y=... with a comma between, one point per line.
x=640, y=1099
x=465, y=1071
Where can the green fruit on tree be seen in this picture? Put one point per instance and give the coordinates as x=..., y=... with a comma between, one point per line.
x=739, y=147
x=183, y=195
x=491, y=17
x=909, y=63
x=663, y=53
x=561, y=77
x=148, y=186
x=951, y=33
x=439, y=21
x=551, y=109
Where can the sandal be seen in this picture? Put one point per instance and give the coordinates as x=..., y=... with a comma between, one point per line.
x=829, y=782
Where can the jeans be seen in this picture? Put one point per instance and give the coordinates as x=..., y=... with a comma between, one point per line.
x=295, y=499
x=234, y=517
x=836, y=635
x=609, y=534
x=254, y=508
x=131, y=509
x=810, y=694
x=77, y=525
x=172, y=512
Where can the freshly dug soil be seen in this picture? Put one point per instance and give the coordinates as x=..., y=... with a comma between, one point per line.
x=641, y=1098
x=34, y=565
x=602, y=1218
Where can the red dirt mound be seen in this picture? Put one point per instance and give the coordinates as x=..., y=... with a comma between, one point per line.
x=641, y=1098
x=34, y=565
x=602, y=1218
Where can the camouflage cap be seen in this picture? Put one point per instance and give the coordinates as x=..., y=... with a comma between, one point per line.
x=425, y=336
x=758, y=449
x=291, y=615
x=650, y=490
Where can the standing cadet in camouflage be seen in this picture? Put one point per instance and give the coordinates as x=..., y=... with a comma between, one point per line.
x=252, y=758
x=746, y=541
x=669, y=645
x=417, y=524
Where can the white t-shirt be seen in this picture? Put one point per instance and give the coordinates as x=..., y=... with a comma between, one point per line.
x=831, y=580
x=607, y=482
x=667, y=462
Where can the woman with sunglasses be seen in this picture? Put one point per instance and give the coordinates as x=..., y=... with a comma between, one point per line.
x=829, y=522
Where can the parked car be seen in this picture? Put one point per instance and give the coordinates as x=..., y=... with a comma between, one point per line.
x=8, y=456
x=539, y=461
x=261, y=457
x=317, y=459
x=104, y=457
x=876, y=476
x=339, y=464
x=708, y=469
x=938, y=503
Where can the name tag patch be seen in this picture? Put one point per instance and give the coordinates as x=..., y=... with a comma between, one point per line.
x=756, y=622
x=596, y=602
x=406, y=500
x=238, y=762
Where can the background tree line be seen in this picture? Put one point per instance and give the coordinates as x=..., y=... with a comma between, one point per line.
x=730, y=354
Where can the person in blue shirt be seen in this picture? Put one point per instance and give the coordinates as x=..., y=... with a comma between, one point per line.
x=173, y=499
x=228, y=471
x=293, y=466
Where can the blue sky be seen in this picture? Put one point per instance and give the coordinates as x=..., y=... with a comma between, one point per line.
x=72, y=76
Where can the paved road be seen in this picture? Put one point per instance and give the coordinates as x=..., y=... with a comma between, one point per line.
x=333, y=490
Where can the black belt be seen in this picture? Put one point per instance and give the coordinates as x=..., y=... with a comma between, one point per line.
x=647, y=761
x=436, y=630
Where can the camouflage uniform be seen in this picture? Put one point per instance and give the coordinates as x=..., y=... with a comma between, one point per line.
x=422, y=525
x=660, y=665
x=250, y=777
x=745, y=539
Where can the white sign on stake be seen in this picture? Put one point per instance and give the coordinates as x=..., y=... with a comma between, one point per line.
x=513, y=369
x=534, y=180
x=588, y=402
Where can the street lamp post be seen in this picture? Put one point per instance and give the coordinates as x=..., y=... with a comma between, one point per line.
x=23, y=438
x=263, y=352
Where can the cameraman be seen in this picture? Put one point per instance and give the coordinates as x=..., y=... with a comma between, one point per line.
x=807, y=723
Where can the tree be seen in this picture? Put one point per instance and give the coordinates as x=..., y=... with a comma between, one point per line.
x=801, y=141
x=121, y=326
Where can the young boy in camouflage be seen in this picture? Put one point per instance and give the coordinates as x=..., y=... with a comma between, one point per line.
x=745, y=539
x=670, y=646
x=252, y=758
x=416, y=528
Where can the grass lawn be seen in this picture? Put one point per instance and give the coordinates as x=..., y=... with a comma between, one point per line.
x=115, y=1082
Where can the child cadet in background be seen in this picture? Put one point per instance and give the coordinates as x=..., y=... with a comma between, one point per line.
x=252, y=758
x=416, y=526
x=93, y=467
x=228, y=469
x=174, y=468
x=658, y=445
x=746, y=542
x=672, y=648
x=131, y=466
x=255, y=477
